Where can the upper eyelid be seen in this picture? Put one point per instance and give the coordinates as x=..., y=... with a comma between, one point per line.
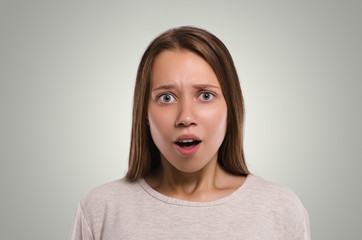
x=200, y=90
x=207, y=91
x=164, y=93
x=213, y=95
x=174, y=96
x=158, y=97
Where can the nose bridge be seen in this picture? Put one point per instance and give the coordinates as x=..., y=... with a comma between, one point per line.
x=186, y=112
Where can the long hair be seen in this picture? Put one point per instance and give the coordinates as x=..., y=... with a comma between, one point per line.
x=144, y=156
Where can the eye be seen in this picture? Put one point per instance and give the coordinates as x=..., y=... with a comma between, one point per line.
x=166, y=98
x=206, y=96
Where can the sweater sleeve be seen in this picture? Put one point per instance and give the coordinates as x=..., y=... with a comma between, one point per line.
x=80, y=230
x=303, y=232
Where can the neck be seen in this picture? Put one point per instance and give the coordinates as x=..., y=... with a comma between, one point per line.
x=209, y=183
x=174, y=182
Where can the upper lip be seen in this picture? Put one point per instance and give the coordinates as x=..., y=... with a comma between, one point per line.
x=187, y=137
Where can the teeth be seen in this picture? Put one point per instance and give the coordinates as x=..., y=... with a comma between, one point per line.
x=186, y=141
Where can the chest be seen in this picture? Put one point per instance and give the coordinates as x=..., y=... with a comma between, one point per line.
x=179, y=222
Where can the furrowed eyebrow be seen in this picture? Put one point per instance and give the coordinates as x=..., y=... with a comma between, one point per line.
x=197, y=86
x=204, y=86
x=163, y=87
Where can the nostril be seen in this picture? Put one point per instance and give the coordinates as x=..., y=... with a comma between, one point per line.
x=185, y=122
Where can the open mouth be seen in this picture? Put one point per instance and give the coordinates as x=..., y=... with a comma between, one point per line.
x=187, y=143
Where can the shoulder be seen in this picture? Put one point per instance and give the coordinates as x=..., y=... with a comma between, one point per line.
x=278, y=202
x=102, y=206
x=105, y=195
x=262, y=189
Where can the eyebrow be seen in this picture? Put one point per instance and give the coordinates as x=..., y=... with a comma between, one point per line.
x=197, y=86
x=203, y=86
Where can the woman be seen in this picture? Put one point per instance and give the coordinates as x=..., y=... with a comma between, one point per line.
x=187, y=176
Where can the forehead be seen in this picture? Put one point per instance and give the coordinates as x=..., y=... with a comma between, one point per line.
x=181, y=67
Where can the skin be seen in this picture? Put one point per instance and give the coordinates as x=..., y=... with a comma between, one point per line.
x=186, y=98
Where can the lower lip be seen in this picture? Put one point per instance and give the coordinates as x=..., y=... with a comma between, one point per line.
x=188, y=151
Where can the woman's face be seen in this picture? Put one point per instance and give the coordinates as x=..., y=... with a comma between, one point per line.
x=187, y=111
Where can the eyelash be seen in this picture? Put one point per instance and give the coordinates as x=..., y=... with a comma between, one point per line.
x=164, y=94
x=159, y=97
x=210, y=93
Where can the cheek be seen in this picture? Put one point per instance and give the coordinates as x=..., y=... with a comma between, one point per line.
x=215, y=118
x=159, y=123
x=214, y=121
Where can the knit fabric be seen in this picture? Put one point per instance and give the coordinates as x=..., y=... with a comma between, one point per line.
x=258, y=209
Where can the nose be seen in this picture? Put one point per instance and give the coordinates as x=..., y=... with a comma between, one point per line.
x=185, y=116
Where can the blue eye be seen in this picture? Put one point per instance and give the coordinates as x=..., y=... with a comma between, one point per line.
x=206, y=96
x=166, y=98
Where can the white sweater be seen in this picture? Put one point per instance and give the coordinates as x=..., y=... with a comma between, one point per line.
x=258, y=209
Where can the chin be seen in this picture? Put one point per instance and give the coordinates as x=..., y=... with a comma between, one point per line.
x=191, y=168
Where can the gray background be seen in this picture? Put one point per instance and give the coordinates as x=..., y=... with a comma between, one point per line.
x=67, y=77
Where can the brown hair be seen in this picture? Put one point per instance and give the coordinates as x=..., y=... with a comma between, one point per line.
x=144, y=156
